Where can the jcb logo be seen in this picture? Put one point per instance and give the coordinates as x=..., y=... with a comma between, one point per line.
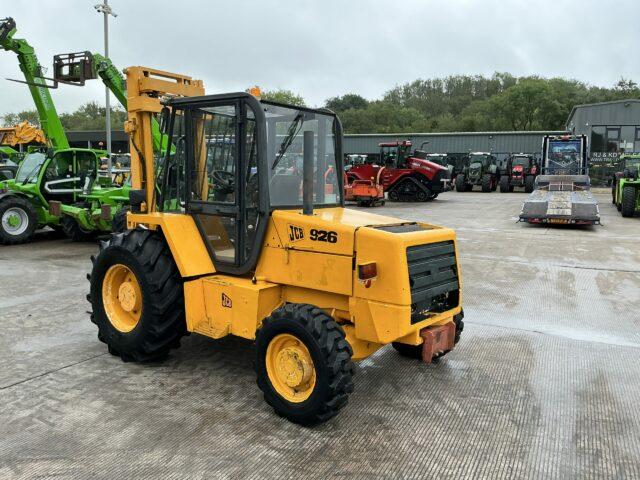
x=226, y=301
x=295, y=233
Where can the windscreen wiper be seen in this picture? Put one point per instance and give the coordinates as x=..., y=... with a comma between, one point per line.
x=294, y=129
x=28, y=177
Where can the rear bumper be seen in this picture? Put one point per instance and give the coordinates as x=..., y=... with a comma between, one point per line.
x=560, y=220
x=437, y=340
x=573, y=207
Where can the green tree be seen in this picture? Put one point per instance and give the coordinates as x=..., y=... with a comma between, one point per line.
x=384, y=117
x=11, y=119
x=283, y=96
x=346, y=102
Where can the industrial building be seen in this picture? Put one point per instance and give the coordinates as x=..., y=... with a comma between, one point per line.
x=612, y=128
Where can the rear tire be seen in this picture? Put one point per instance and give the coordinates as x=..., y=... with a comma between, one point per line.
x=74, y=231
x=629, y=201
x=160, y=308
x=504, y=184
x=119, y=222
x=18, y=220
x=486, y=183
x=529, y=183
x=319, y=384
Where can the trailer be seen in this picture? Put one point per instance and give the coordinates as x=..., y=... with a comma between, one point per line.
x=562, y=193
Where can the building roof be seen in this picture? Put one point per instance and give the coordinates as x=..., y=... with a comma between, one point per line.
x=426, y=134
x=611, y=102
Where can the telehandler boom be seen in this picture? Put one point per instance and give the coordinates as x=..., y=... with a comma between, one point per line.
x=32, y=71
x=244, y=233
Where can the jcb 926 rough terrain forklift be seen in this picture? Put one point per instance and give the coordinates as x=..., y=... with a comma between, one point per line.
x=235, y=237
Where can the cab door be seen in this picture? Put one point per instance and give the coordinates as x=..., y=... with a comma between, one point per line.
x=224, y=189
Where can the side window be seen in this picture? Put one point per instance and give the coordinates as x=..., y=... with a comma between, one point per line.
x=173, y=168
x=60, y=168
x=213, y=176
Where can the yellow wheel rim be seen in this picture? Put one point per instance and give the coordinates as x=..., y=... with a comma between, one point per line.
x=290, y=368
x=122, y=298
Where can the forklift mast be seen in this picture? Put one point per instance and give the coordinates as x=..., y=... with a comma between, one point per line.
x=32, y=71
x=146, y=88
x=78, y=67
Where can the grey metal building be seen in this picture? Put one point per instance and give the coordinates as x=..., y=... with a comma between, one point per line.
x=98, y=138
x=612, y=128
x=500, y=143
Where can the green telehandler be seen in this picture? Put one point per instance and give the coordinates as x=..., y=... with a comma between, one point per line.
x=59, y=176
x=626, y=185
x=75, y=69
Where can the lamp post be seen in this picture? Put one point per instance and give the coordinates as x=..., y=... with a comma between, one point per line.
x=106, y=10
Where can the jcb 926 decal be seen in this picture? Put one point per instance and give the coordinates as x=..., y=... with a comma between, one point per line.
x=295, y=233
x=323, y=235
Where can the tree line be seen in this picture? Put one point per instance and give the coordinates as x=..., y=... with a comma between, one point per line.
x=465, y=103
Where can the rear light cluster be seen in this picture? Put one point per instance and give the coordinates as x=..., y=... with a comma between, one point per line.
x=367, y=272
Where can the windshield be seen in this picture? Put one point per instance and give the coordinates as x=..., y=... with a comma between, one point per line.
x=521, y=161
x=564, y=157
x=477, y=160
x=285, y=132
x=30, y=167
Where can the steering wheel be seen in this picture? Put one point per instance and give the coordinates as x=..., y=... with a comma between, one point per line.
x=223, y=181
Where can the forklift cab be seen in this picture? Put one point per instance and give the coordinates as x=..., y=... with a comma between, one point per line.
x=242, y=159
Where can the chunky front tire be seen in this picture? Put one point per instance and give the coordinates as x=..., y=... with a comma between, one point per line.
x=487, y=185
x=137, y=296
x=629, y=201
x=303, y=364
x=18, y=220
x=74, y=231
x=504, y=184
x=529, y=183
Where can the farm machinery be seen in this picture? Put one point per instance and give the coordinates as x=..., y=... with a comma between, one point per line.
x=480, y=169
x=521, y=171
x=23, y=133
x=225, y=238
x=59, y=175
x=562, y=192
x=626, y=185
x=405, y=177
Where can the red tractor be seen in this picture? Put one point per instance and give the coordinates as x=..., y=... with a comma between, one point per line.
x=405, y=177
x=521, y=171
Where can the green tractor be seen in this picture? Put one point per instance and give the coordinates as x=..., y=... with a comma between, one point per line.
x=480, y=169
x=44, y=183
x=626, y=186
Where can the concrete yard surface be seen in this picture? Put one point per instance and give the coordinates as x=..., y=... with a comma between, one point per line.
x=544, y=383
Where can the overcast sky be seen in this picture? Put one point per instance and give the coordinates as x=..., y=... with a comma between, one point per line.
x=324, y=48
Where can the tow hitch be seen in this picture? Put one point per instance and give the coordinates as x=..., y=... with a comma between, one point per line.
x=437, y=340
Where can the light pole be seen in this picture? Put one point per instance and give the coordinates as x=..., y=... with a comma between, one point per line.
x=106, y=10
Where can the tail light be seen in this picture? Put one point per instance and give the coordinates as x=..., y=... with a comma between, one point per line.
x=367, y=272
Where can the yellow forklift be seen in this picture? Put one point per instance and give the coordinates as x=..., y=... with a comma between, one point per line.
x=241, y=230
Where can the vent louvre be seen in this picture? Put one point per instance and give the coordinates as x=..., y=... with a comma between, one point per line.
x=433, y=277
